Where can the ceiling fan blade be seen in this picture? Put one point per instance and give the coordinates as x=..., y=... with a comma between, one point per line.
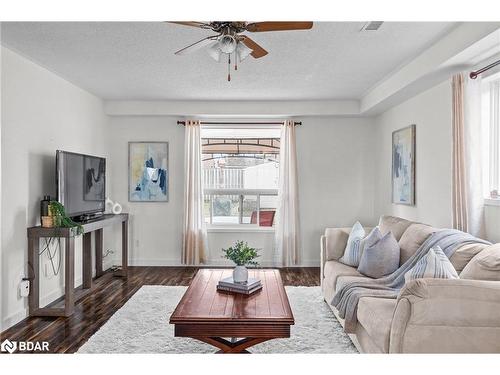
x=257, y=51
x=191, y=23
x=196, y=45
x=256, y=27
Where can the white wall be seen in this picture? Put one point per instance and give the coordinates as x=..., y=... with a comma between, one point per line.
x=431, y=112
x=219, y=239
x=155, y=229
x=335, y=182
x=492, y=223
x=41, y=113
x=1, y=243
x=336, y=177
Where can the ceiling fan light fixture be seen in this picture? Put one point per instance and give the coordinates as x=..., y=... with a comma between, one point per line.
x=227, y=43
x=242, y=51
x=214, y=51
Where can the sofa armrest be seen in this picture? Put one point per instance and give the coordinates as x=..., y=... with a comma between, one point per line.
x=322, y=259
x=447, y=315
x=335, y=242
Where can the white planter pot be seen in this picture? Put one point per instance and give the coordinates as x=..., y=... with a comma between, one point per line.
x=240, y=274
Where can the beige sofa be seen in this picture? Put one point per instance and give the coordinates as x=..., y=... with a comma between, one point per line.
x=429, y=315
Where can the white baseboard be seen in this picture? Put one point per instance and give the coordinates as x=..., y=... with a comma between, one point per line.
x=213, y=262
x=56, y=293
x=154, y=262
x=21, y=314
x=14, y=318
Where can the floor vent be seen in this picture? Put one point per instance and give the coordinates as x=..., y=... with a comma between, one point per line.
x=372, y=26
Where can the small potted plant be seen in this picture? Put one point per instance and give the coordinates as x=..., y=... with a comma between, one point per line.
x=60, y=219
x=242, y=255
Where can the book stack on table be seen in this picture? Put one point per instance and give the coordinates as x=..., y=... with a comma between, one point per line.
x=228, y=285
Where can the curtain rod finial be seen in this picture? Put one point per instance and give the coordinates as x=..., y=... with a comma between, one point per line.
x=473, y=75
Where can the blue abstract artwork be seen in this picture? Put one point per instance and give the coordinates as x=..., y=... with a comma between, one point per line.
x=403, y=166
x=148, y=172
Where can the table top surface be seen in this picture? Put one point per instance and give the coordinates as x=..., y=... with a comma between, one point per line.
x=202, y=303
x=89, y=226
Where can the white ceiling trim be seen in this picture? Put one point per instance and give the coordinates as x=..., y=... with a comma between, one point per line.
x=429, y=68
x=233, y=109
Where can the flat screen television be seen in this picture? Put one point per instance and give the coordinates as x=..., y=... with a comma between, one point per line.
x=81, y=184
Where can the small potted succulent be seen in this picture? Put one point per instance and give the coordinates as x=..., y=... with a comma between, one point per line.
x=242, y=255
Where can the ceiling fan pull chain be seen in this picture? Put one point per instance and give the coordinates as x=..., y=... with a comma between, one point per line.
x=235, y=61
x=229, y=67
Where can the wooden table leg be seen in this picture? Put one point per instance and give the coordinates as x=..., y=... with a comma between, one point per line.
x=69, y=275
x=98, y=252
x=239, y=346
x=124, y=248
x=34, y=273
x=87, y=261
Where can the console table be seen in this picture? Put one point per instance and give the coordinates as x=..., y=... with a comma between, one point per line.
x=65, y=305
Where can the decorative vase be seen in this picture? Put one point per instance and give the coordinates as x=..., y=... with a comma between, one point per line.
x=240, y=274
x=117, y=208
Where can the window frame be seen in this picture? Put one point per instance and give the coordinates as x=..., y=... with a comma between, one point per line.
x=241, y=193
x=492, y=179
x=223, y=227
x=494, y=120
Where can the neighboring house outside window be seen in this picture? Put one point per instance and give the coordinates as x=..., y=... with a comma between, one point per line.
x=240, y=175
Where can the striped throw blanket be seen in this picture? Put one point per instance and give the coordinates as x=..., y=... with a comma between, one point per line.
x=347, y=297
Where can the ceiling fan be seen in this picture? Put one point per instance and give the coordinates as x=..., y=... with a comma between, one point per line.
x=229, y=39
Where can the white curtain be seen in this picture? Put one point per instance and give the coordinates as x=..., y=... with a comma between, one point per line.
x=287, y=224
x=468, y=199
x=195, y=236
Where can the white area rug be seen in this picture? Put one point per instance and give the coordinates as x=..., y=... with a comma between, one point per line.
x=141, y=326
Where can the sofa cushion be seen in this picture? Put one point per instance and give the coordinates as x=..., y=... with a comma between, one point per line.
x=393, y=224
x=375, y=315
x=381, y=258
x=333, y=269
x=343, y=280
x=412, y=239
x=352, y=252
x=484, y=266
x=463, y=254
x=336, y=241
x=435, y=264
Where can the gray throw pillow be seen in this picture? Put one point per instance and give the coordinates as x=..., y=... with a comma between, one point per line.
x=380, y=258
x=369, y=240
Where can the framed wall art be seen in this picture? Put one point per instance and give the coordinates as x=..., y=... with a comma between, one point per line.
x=403, y=165
x=148, y=172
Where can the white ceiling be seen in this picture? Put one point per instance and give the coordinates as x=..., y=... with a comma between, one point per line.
x=136, y=61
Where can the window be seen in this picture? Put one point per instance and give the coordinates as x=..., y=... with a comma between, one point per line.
x=491, y=135
x=240, y=175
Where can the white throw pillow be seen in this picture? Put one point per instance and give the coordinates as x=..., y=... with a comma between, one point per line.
x=352, y=252
x=435, y=265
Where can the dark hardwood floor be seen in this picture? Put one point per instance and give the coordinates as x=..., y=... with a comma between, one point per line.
x=66, y=335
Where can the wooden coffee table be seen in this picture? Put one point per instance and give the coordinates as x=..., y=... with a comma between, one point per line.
x=211, y=316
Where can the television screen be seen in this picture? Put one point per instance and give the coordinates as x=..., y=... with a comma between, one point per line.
x=81, y=183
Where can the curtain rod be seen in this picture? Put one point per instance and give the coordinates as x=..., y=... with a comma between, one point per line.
x=239, y=123
x=473, y=75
